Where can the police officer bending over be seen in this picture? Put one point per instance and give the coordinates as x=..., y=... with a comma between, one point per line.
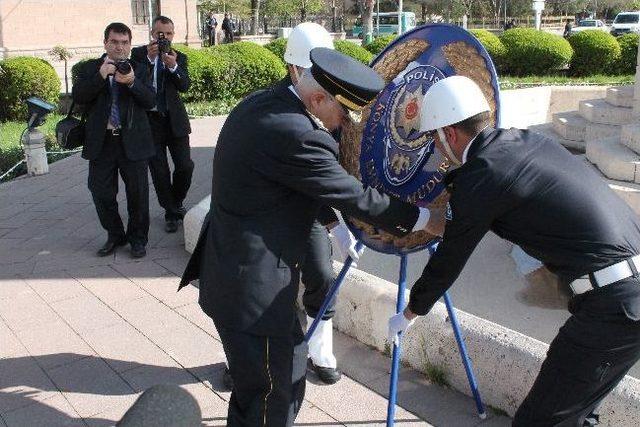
x=531, y=191
x=270, y=180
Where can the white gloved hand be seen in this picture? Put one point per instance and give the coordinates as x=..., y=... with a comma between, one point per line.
x=398, y=323
x=346, y=243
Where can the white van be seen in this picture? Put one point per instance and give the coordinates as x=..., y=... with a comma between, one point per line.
x=626, y=22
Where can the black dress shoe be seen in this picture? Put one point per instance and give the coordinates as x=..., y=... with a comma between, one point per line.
x=227, y=379
x=182, y=211
x=171, y=225
x=110, y=246
x=326, y=375
x=138, y=250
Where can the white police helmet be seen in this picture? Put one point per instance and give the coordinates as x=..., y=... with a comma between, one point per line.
x=449, y=101
x=303, y=38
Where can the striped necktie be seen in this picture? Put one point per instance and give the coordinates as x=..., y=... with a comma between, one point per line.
x=114, y=116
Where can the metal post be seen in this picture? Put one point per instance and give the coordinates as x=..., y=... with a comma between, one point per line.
x=473, y=385
x=377, y=18
x=400, y=29
x=331, y=294
x=395, y=361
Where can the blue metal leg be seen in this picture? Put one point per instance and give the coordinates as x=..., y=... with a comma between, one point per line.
x=395, y=361
x=473, y=385
x=332, y=292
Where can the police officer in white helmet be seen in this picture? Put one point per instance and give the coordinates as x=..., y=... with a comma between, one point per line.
x=531, y=191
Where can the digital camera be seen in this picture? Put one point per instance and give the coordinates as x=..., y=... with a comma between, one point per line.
x=123, y=66
x=164, y=44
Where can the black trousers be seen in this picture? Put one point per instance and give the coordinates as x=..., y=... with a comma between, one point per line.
x=269, y=377
x=592, y=352
x=103, y=184
x=171, y=193
x=317, y=272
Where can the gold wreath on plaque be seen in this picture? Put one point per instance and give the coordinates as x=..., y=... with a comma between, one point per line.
x=465, y=60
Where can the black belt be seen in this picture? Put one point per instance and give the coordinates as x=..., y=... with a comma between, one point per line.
x=114, y=133
x=156, y=114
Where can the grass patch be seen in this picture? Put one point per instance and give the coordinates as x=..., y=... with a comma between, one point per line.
x=210, y=108
x=435, y=374
x=511, y=82
x=498, y=412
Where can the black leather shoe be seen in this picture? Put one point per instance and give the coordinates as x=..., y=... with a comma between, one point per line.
x=326, y=375
x=227, y=379
x=138, y=250
x=171, y=225
x=110, y=246
x=182, y=211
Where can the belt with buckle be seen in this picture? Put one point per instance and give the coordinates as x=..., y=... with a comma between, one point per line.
x=606, y=276
x=114, y=132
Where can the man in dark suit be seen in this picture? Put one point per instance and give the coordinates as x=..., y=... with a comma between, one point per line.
x=118, y=138
x=227, y=28
x=270, y=180
x=533, y=192
x=168, y=119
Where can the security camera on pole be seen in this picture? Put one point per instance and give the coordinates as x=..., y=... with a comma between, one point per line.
x=538, y=7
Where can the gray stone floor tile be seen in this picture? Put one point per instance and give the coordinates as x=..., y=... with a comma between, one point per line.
x=147, y=376
x=110, y=416
x=359, y=361
x=22, y=383
x=54, y=411
x=57, y=286
x=86, y=313
x=431, y=402
x=14, y=288
x=90, y=385
x=53, y=344
x=26, y=309
x=11, y=346
x=350, y=402
x=108, y=285
x=174, y=264
x=311, y=415
x=125, y=348
x=195, y=315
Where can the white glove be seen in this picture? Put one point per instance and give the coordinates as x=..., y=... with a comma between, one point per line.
x=346, y=243
x=398, y=323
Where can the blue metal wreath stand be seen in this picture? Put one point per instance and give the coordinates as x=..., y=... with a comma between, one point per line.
x=395, y=361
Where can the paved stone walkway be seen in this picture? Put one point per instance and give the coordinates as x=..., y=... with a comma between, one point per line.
x=81, y=337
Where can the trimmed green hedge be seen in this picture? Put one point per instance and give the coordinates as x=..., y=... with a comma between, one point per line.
x=493, y=45
x=628, y=53
x=22, y=77
x=530, y=51
x=251, y=66
x=594, y=52
x=210, y=74
x=379, y=43
x=277, y=47
x=353, y=50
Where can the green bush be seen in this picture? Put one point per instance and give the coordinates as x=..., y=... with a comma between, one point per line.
x=628, y=53
x=210, y=75
x=493, y=45
x=277, y=47
x=353, y=50
x=594, y=52
x=75, y=70
x=22, y=77
x=530, y=51
x=379, y=43
x=252, y=66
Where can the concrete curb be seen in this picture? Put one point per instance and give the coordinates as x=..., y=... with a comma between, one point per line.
x=505, y=362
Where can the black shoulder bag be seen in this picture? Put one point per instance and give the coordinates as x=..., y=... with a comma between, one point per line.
x=70, y=130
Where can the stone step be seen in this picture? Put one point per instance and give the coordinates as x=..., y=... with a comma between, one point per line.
x=597, y=131
x=600, y=111
x=630, y=136
x=614, y=160
x=547, y=129
x=628, y=191
x=620, y=96
x=570, y=125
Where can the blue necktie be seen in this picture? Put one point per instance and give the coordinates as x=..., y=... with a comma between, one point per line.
x=114, y=116
x=160, y=100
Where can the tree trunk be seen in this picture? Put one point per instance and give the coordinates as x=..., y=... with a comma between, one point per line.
x=255, y=8
x=367, y=22
x=423, y=12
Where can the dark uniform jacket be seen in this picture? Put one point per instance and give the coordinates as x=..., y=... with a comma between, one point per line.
x=273, y=169
x=531, y=191
x=94, y=93
x=173, y=84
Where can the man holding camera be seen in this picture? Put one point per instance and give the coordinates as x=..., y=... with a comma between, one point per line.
x=116, y=93
x=169, y=120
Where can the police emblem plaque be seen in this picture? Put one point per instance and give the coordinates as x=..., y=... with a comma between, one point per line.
x=386, y=149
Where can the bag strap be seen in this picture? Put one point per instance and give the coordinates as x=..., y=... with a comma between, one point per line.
x=70, y=112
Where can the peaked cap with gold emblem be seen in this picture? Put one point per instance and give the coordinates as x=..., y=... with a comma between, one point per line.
x=352, y=83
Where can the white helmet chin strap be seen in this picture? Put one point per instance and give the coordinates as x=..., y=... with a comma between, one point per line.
x=447, y=148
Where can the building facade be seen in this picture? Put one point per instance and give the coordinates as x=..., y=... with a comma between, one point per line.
x=33, y=27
